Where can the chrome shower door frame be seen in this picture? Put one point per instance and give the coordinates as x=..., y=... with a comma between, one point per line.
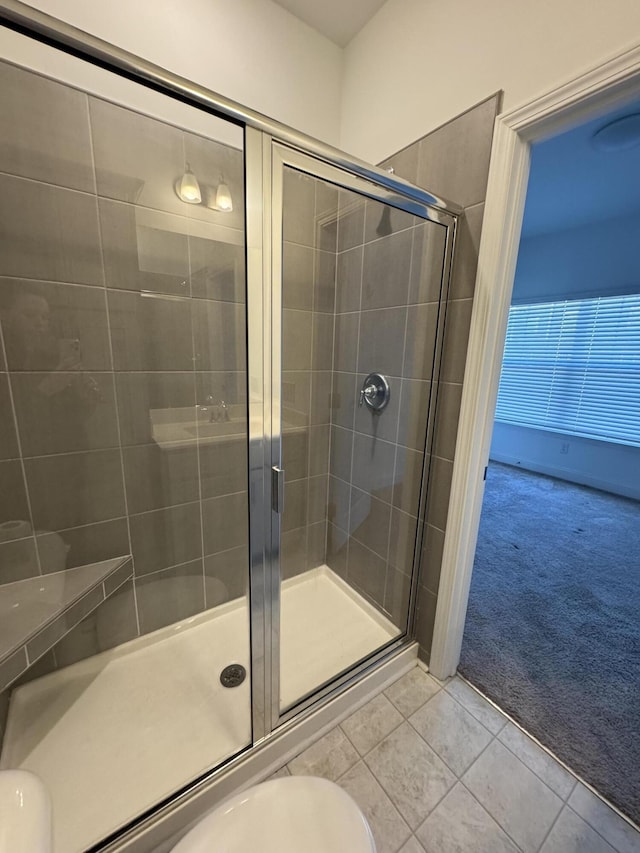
x=267, y=578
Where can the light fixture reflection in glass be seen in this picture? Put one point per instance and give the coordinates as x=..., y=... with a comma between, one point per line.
x=188, y=188
x=223, y=197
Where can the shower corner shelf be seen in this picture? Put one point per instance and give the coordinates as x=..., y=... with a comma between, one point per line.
x=37, y=612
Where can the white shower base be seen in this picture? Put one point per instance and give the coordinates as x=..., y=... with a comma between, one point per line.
x=116, y=733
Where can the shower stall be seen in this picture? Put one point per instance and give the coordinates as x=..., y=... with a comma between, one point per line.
x=220, y=345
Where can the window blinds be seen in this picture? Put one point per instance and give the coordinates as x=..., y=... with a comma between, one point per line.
x=574, y=366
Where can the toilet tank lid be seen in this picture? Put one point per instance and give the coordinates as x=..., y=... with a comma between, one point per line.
x=283, y=816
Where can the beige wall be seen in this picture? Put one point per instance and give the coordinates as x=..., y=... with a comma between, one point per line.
x=453, y=161
x=388, y=306
x=252, y=51
x=417, y=63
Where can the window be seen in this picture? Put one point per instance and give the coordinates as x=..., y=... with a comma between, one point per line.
x=574, y=367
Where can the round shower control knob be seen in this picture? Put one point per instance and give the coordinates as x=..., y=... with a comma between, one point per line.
x=375, y=392
x=369, y=393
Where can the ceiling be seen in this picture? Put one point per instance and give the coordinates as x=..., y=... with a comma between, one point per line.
x=572, y=183
x=338, y=20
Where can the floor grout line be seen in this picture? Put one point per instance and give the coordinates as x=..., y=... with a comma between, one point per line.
x=379, y=783
x=492, y=816
x=535, y=773
x=553, y=823
x=459, y=778
x=597, y=831
x=578, y=779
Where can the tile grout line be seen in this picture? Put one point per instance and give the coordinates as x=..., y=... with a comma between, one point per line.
x=362, y=759
x=591, y=826
x=112, y=364
x=369, y=751
x=25, y=483
x=312, y=342
x=549, y=831
x=192, y=372
x=495, y=738
x=506, y=746
x=564, y=801
x=441, y=757
x=576, y=777
x=357, y=358
x=478, y=757
x=141, y=577
x=380, y=785
x=492, y=816
x=482, y=696
x=332, y=372
x=484, y=749
x=378, y=782
x=143, y=371
x=316, y=272
x=481, y=804
x=160, y=294
x=397, y=430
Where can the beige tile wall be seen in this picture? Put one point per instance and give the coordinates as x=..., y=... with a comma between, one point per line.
x=309, y=261
x=103, y=322
x=453, y=162
x=389, y=275
x=118, y=301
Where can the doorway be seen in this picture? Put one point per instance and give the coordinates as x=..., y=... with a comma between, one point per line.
x=597, y=93
x=552, y=634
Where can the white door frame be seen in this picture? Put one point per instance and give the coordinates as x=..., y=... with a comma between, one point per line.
x=611, y=84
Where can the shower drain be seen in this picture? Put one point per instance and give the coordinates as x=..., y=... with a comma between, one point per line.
x=233, y=675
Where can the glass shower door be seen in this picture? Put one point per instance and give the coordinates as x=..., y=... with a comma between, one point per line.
x=357, y=297
x=123, y=438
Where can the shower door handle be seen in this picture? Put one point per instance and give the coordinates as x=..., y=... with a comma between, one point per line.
x=277, y=489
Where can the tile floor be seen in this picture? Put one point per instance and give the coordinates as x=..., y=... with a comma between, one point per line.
x=437, y=769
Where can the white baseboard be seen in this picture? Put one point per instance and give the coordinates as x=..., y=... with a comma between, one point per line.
x=570, y=475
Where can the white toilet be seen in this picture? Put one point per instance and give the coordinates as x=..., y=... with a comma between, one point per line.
x=25, y=813
x=295, y=814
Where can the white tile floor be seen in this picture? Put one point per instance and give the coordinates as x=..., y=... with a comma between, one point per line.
x=437, y=769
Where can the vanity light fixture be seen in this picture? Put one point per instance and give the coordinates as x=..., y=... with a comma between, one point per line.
x=189, y=191
x=223, y=197
x=188, y=188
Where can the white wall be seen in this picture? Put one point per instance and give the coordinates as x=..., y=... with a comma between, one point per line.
x=414, y=66
x=252, y=51
x=418, y=63
x=600, y=259
x=599, y=464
